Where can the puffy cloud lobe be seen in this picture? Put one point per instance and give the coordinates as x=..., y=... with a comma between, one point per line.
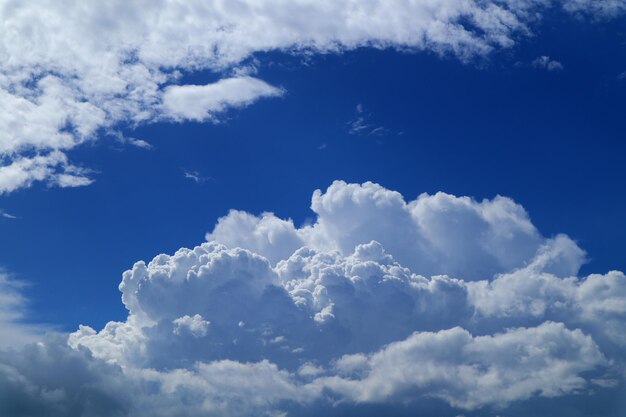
x=433, y=234
x=195, y=325
x=216, y=330
x=274, y=238
x=74, y=69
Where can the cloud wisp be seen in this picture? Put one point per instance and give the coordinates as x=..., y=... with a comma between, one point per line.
x=360, y=124
x=380, y=301
x=547, y=63
x=89, y=68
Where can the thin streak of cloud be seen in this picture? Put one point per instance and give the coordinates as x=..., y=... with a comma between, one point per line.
x=361, y=124
x=8, y=215
x=196, y=177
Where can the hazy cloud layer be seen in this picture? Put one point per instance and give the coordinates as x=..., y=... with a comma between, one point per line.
x=300, y=320
x=72, y=70
x=14, y=329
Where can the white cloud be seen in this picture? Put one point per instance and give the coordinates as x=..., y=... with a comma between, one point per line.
x=195, y=325
x=72, y=70
x=215, y=331
x=53, y=168
x=433, y=234
x=201, y=102
x=470, y=372
x=123, y=139
x=224, y=331
x=547, y=63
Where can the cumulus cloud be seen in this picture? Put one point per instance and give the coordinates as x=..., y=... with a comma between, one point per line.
x=368, y=305
x=88, y=68
x=432, y=234
x=195, y=325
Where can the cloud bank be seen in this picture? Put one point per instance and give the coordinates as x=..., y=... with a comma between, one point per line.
x=71, y=71
x=379, y=302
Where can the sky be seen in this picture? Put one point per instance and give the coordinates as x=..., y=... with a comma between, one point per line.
x=391, y=208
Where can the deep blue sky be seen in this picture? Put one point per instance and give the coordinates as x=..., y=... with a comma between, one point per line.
x=553, y=141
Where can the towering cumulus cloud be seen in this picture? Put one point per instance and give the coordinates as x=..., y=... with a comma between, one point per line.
x=73, y=70
x=381, y=302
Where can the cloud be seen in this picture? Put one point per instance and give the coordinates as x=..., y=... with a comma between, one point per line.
x=432, y=234
x=470, y=372
x=8, y=215
x=328, y=314
x=15, y=330
x=90, y=68
x=195, y=176
x=606, y=8
x=547, y=63
x=52, y=168
x=360, y=125
x=201, y=102
x=123, y=139
x=195, y=325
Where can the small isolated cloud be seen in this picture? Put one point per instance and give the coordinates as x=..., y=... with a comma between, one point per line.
x=195, y=176
x=7, y=215
x=124, y=139
x=204, y=102
x=361, y=124
x=547, y=63
x=380, y=301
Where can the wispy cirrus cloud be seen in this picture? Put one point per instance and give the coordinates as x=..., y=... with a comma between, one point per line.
x=8, y=215
x=196, y=177
x=362, y=124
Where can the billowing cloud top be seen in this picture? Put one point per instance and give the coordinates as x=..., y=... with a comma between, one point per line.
x=72, y=70
x=380, y=301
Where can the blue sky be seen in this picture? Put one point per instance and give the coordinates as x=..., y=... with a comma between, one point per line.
x=546, y=132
